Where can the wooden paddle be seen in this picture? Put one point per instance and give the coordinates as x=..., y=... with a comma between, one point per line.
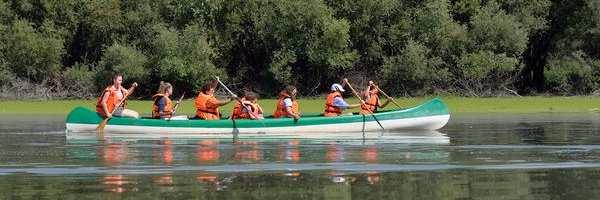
x=236, y=98
x=362, y=102
x=102, y=124
x=176, y=106
x=387, y=96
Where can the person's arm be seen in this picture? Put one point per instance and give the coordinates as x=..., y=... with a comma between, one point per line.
x=103, y=103
x=366, y=92
x=340, y=103
x=124, y=91
x=291, y=113
x=260, y=110
x=384, y=104
x=353, y=106
x=224, y=102
x=246, y=107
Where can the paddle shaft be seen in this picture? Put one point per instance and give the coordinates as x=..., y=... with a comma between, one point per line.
x=105, y=121
x=176, y=106
x=355, y=93
x=236, y=98
x=384, y=94
x=361, y=102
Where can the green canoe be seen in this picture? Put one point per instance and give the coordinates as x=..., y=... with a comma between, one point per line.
x=431, y=115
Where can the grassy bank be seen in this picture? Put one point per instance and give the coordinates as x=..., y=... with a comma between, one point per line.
x=456, y=105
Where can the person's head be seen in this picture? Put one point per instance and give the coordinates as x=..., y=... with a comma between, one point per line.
x=117, y=79
x=337, y=87
x=373, y=89
x=208, y=88
x=291, y=90
x=165, y=88
x=251, y=96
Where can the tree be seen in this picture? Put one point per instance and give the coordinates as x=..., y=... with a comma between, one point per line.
x=183, y=57
x=123, y=59
x=306, y=36
x=415, y=72
x=31, y=54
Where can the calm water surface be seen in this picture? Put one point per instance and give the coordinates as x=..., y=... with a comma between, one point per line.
x=477, y=156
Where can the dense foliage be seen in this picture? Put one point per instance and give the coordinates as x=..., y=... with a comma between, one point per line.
x=469, y=47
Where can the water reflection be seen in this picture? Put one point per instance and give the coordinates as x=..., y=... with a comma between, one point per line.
x=290, y=151
x=127, y=159
x=115, y=183
x=247, y=151
x=114, y=153
x=207, y=151
x=479, y=158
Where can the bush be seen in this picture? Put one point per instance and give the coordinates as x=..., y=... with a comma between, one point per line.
x=183, y=58
x=572, y=74
x=414, y=71
x=33, y=55
x=485, y=72
x=79, y=81
x=123, y=59
x=6, y=76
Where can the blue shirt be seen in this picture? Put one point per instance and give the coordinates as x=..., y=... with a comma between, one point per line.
x=161, y=103
x=340, y=103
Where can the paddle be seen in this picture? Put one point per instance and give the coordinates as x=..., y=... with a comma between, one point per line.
x=176, y=105
x=387, y=96
x=236, y=98
x=361, y=102
x=102, y=124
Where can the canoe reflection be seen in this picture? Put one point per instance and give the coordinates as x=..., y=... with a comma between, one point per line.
x=114, y=153
x=335, y=152
x=289, y=151
x=407, y=137
x=216, y=164
x=115, y=183
x=207, y=151
x=165, y=154
x=248, y=151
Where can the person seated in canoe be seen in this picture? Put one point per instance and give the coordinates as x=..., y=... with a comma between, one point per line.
x=207, y=105
x=111, y=96
x=162, y=107
x=371, y=98
x=335, y=103
x=250, y=101
x=287, y=106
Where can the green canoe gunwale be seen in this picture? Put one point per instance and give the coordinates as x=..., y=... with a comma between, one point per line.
x=433, y=107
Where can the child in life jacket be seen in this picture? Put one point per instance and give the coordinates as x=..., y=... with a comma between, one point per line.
x=250, y=108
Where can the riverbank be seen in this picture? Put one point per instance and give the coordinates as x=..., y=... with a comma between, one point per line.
x=313, y=105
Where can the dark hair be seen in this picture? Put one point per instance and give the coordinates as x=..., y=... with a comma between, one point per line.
x=207, y=86
x=116, y=74
x=250, y=96
x=371, y=87
x=288, y=89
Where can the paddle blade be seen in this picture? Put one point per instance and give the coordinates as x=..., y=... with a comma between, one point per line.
x=102, y=124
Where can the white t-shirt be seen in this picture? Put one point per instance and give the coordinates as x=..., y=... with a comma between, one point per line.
x=287, y=102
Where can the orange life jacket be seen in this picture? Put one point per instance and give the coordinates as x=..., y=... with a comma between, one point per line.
x=281, y=109
x=168, y=109
x=330, y=109
x=239, y=113
x=371, y=104
x=202, y=111
x=111, y=102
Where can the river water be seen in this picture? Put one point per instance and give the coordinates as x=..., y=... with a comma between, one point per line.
x=476, y=156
